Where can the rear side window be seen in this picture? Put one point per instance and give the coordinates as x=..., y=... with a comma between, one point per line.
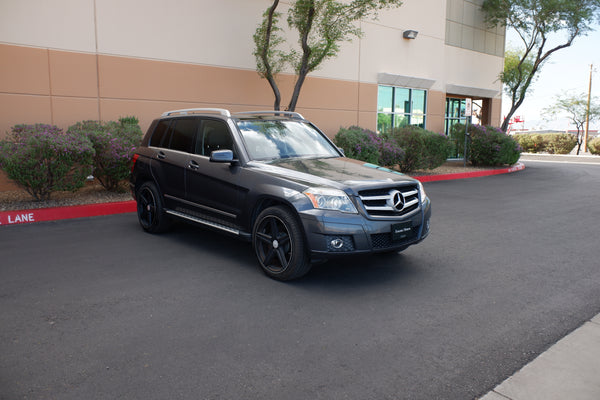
x=214, y=135
x=183, y=133
x=159, y=134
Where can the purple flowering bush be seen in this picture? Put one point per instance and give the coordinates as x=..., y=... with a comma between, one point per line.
x=358, y=143
x=43, y=159
x=114, y=144
x=488, y=145
x=365, y=145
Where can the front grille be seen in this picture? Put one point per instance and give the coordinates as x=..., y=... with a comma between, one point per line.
x=394, y=201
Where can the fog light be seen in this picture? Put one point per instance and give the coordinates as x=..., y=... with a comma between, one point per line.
x=337, y=243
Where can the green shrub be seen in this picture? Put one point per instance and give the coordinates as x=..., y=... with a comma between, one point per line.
x=423, y=149
x=438, y=148
x=42, y=159
x=358, y=143
x=594, y=145
x=114, y=144
x=559, y=143
x=531, y=143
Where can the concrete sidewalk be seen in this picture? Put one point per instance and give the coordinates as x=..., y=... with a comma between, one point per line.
x=561, y=158
x=568, y=370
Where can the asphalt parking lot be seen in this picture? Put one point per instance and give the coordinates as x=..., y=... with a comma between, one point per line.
x=94, y=308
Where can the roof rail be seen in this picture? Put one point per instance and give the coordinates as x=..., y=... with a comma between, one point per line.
x=187, y=111
x=273, y=112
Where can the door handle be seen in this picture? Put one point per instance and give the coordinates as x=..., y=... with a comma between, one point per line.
x=161, y=155
x=193, y=165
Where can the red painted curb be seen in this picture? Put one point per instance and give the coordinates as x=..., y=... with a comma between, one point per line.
x=57, y=213
x=94, y=210
x=474, y=174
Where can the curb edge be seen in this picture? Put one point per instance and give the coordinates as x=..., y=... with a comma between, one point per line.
x=16, y=217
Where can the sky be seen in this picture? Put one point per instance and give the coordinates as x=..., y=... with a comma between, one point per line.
x=566, y=70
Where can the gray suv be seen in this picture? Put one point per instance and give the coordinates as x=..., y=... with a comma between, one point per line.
x=273, y=178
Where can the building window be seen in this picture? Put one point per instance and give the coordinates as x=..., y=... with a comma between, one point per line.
x=397, y=106
x=466, y=28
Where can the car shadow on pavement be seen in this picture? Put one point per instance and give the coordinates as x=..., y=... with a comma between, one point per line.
x=348, y=272
x=361, y=271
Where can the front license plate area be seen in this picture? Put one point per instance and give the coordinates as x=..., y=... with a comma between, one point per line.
x=402, y=231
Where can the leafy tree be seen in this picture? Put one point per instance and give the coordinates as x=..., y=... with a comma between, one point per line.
x=321, y=25
x=575, y=107
x=537, y=22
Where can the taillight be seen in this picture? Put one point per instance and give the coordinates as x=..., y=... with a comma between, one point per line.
x=133, y=160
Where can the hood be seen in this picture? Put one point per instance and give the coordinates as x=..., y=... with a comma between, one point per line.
x=334, y=172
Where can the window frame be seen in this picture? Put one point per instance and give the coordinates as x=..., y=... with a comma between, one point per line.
x=399, y=111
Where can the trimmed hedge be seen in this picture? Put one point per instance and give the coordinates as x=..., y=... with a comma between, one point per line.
x=560, y=143
x=594, y=145
x=531, y=143
x=553, y=143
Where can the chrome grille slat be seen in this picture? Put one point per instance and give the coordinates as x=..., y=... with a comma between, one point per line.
x=385, y=201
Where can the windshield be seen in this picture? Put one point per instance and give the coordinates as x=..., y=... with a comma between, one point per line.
x=275, y=139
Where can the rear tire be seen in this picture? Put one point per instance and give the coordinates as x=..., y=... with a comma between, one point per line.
x=150, y=210
x=279, y=244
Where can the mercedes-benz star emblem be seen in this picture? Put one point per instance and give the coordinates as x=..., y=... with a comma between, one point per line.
x=396, y=200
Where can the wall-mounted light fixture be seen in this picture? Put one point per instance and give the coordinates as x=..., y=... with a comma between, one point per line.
x=410, y=34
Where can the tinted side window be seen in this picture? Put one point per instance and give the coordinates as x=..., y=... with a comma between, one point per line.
x=184, y=131
x=214, y=136
x=159, y=134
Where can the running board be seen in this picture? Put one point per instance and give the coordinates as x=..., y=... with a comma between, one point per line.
x=205, y=222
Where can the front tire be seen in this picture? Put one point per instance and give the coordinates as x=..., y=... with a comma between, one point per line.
x=279, y=244
x=150, y=210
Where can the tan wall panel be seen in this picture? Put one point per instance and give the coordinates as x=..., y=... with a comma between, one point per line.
x=22, y=109
x=330, y=121
x=145, y=111
x=496, y=119
x=329, y=94
x=436, y=111
x=368, y=97
x=368, y=120
x=73, y=74
x=69, y=110
x=121, y=78
x=24, y=70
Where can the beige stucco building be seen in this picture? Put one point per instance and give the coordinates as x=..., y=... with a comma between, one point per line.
x=64, y=61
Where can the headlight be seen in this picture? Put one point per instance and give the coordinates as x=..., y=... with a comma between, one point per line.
x=422, y=193
x=330, y=199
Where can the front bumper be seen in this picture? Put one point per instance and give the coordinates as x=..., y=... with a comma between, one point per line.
x=331, y=234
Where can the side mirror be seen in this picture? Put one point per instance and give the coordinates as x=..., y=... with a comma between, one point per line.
x=222, y=156
x=342, y=151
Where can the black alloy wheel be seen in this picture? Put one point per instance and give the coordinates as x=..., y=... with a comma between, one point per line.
x=150, y=210
x=279, y=244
